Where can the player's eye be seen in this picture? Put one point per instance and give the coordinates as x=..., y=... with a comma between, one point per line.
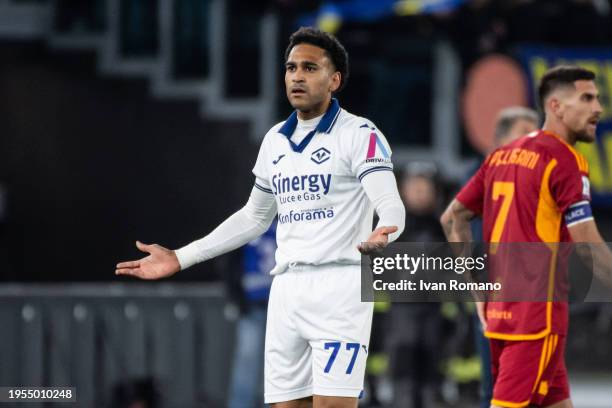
x=311, y=68
x=290, y=68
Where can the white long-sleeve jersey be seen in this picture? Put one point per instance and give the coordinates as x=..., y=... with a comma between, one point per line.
x=324, y=178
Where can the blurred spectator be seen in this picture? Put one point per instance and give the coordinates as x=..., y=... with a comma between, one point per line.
x=420, y=191
x=415, y=328
x=514, y=122
x=249, y=291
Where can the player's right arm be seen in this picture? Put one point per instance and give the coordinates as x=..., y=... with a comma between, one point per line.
x=467, y=204
x=456, y=219
x=456, y=222
x=456, y=225
x=243, y=226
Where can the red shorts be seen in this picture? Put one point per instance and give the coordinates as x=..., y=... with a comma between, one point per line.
x=530, y=372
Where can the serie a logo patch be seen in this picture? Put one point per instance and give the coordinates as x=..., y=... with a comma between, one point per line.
x=586, y=188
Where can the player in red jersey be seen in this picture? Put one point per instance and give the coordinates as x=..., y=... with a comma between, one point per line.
x=535, y=189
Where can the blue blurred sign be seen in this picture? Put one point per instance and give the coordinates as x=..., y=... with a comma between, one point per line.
x=332, y=14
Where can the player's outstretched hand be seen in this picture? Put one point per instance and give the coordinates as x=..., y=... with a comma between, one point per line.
x=377, y=240
x=160, y=263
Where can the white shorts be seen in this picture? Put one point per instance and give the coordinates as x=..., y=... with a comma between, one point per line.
x=317, y=334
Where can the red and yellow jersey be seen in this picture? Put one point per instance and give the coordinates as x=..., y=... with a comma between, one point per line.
x=523, y=191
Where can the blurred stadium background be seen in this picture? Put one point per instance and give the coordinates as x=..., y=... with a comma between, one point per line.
x=139, y=119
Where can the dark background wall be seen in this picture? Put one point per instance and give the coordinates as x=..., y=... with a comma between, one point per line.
x=92, y=164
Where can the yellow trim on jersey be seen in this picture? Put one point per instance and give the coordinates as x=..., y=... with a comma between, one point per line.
x=583, y=164
x=508, y=404
x=549, y=306
x=548, y=228
x=581, y=161
x=520, y=336
x=548, y=216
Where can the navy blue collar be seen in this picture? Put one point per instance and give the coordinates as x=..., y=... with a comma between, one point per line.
x=325, y=125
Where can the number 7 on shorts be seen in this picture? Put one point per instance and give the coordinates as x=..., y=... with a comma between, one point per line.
x=335, y=345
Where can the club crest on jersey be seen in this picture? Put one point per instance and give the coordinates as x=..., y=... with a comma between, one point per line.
x=320, y=155
x=376, y=148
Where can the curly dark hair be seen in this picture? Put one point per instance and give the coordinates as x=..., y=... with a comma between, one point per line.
x=334, y=50
x=559, y=76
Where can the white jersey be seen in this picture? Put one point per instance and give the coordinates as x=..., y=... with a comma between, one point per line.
x=323, y=212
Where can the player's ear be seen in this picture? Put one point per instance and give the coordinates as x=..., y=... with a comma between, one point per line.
x=335, y=81
x=554, y=105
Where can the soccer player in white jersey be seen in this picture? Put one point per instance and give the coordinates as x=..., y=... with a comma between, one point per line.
x=324, y=171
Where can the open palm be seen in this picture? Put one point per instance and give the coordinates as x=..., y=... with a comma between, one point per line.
x=160, y=263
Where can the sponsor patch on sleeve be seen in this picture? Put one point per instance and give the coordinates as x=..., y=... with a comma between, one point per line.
x=377, y=152
x=586, y=188
x=577, y=213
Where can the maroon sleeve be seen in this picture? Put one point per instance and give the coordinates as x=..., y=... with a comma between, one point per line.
x=472, y=194
x=568, y=183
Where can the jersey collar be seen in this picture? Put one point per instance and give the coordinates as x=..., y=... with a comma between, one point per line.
x=325, y=126
x=559, y=138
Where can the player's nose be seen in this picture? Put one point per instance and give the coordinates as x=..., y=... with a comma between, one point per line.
x=298, y=75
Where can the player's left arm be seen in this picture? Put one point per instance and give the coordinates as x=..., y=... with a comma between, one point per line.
x=571, y=190
x=596, y=251
x=369, y=155
x=381, y=189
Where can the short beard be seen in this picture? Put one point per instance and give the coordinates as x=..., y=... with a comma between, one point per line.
x=582, y=136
